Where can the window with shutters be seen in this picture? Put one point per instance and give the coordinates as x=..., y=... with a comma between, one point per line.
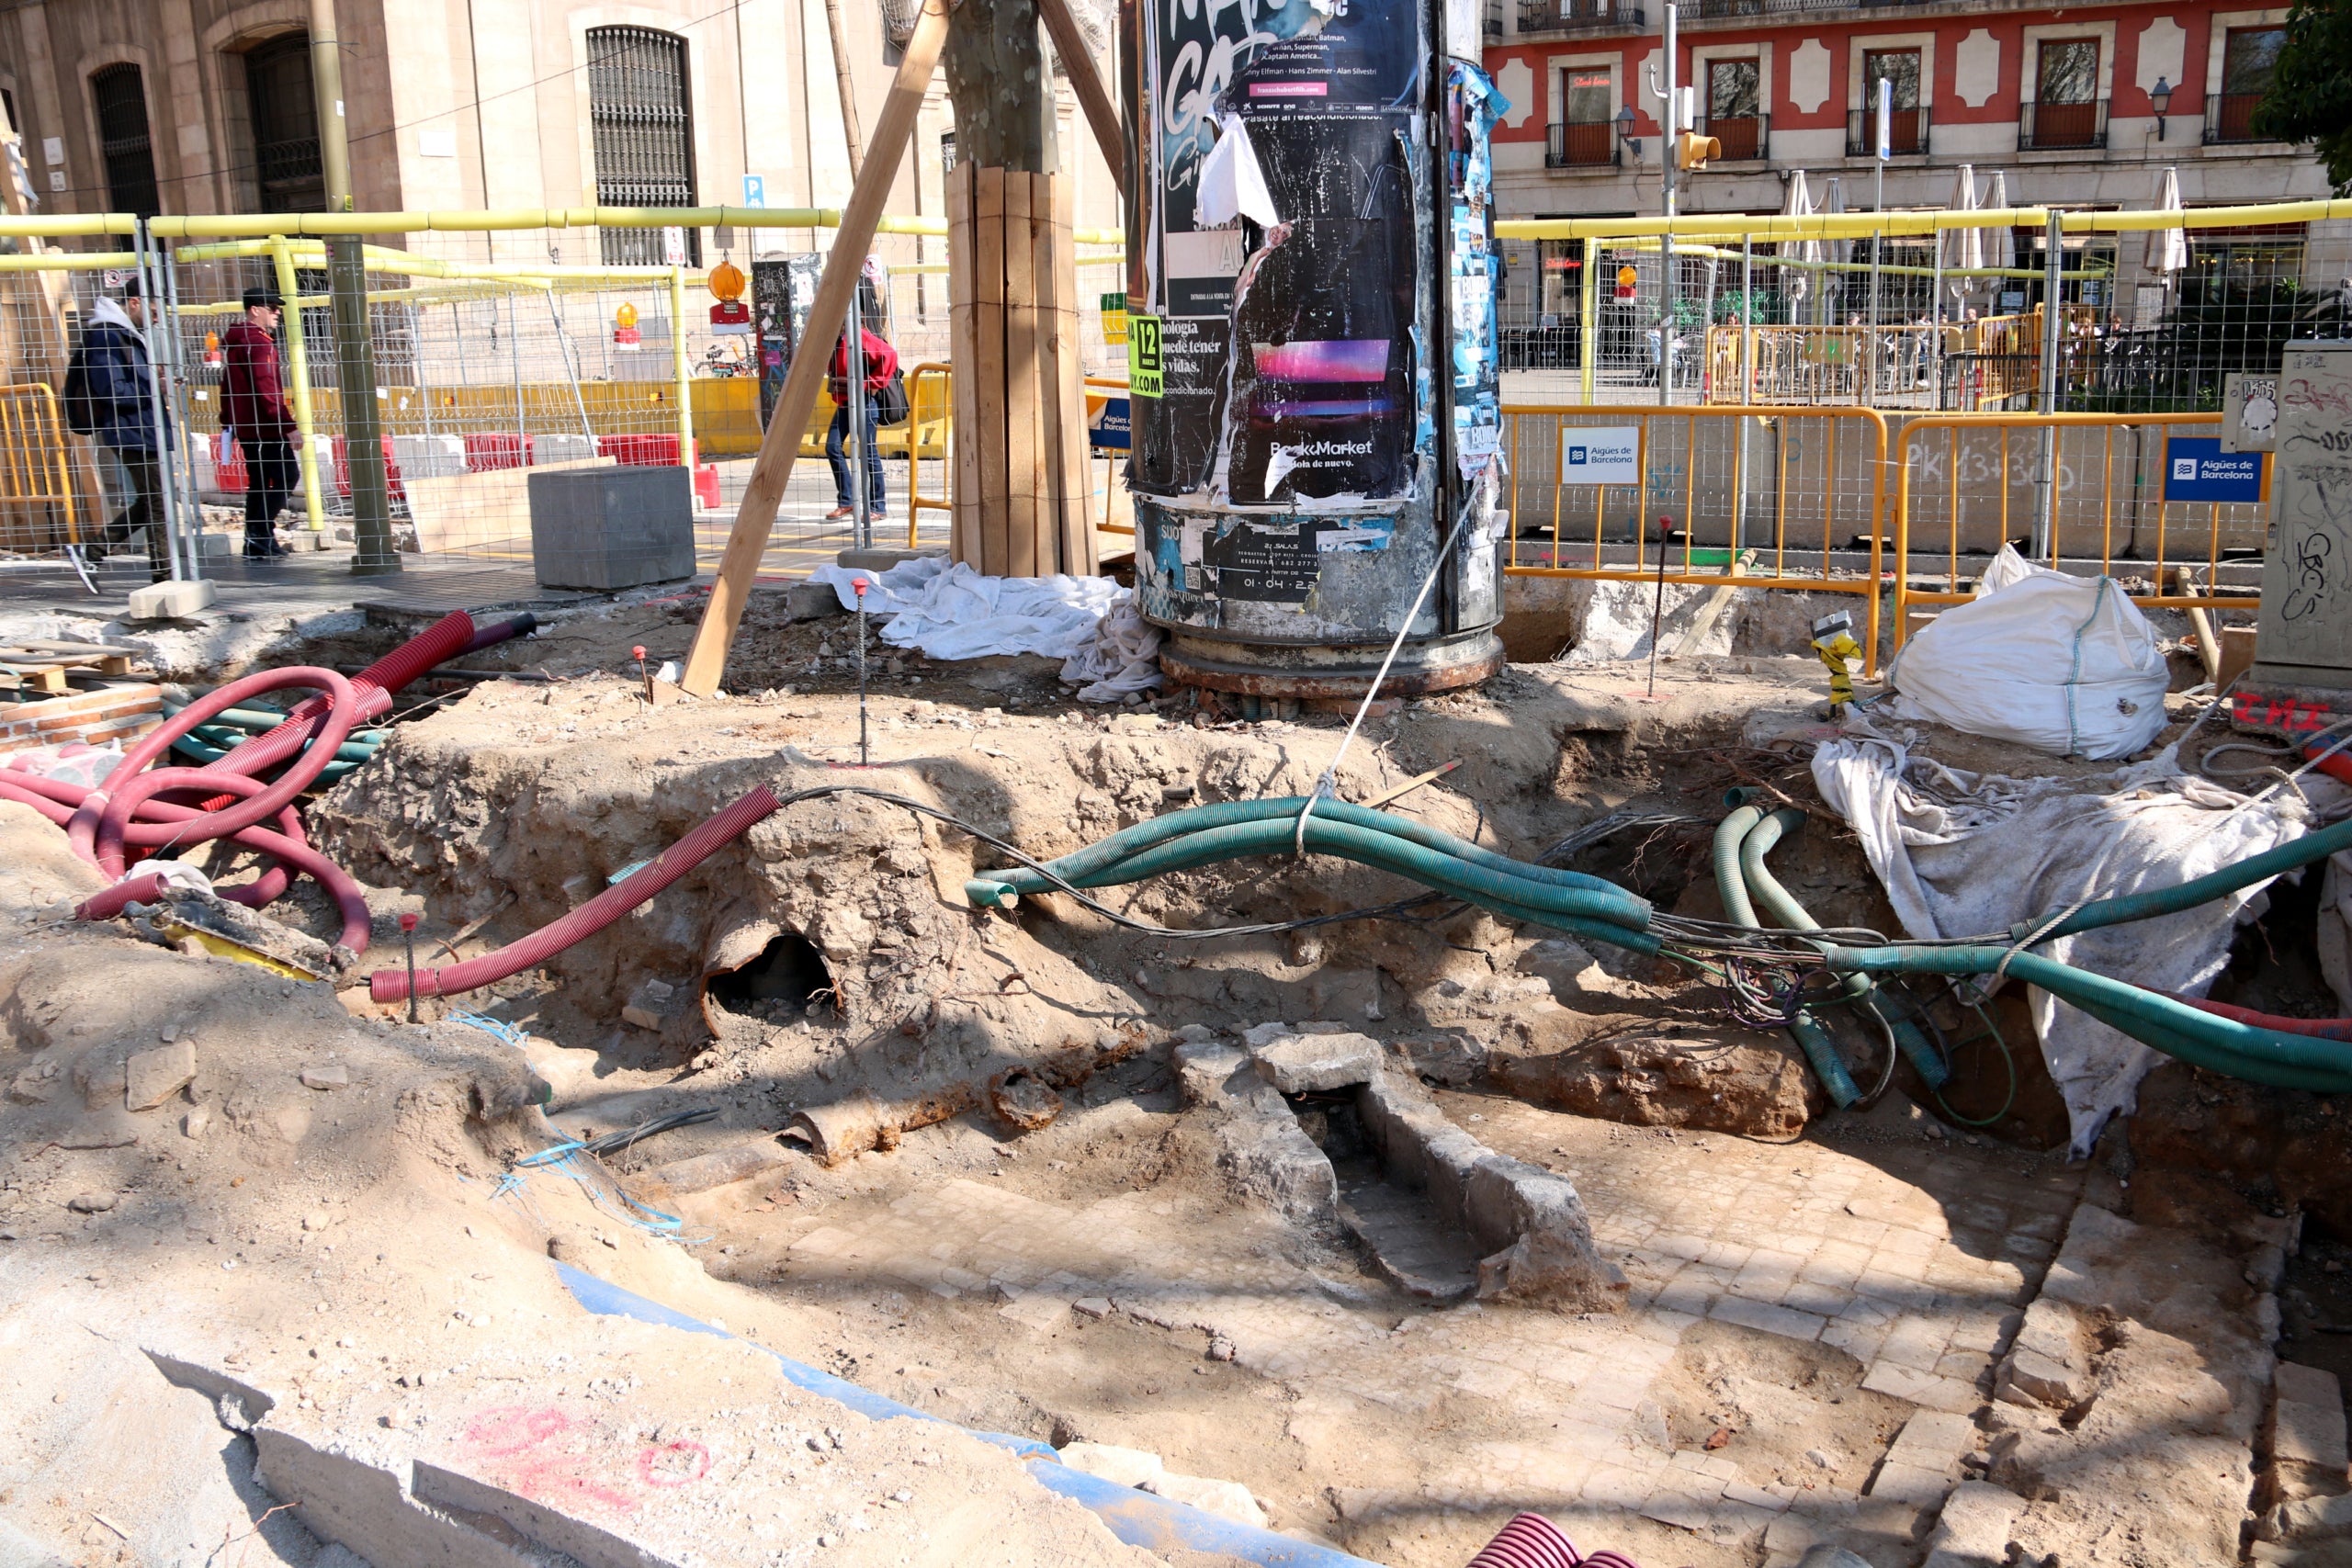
x=643, y=125
x=123, y=142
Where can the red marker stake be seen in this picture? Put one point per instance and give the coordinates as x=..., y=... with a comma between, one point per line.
x=637, y=653
x=407, y=940
x=1657, y=606
x=859, y=584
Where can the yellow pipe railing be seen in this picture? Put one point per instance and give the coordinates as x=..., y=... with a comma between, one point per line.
x=298, y=365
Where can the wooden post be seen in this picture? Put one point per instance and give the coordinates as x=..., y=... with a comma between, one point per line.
x=755, y=520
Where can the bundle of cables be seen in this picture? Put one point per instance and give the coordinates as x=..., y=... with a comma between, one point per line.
x=159, y=809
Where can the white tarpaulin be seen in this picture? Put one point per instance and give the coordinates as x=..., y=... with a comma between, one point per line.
x=2066, y=665
x=1964, y=855
x=952, y=612
x=1123, y=658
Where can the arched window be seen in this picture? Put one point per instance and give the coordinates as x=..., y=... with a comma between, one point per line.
x=643, y=121
x=123, y=142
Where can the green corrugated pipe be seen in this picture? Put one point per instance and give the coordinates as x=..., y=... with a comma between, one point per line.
x=1782, y=906
x=1106, y=853
x=2189, y=895
x=1390, y=852
x=2202, y=1039
x=1731, y=886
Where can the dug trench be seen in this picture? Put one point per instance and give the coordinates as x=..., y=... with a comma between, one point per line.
x=1378, y=1230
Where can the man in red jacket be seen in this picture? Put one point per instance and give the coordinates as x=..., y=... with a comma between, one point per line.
x=881, y=364
x=253, y=409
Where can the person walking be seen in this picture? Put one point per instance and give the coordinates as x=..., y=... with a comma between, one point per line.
x=254, y=410
x=108, y=398
x=881, y=364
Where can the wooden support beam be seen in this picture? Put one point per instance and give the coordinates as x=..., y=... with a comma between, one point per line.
x=755, y=519
x=1102, y=114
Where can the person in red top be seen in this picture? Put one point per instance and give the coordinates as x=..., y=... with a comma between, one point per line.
x=881, y=364
x=253, y=409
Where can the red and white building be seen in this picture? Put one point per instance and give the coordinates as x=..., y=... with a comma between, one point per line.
x=2083, y=106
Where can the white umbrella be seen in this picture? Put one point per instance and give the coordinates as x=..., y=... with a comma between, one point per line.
x=2001, y=243
x=2168, y=248
x=1798, y=204
x=1963, y=249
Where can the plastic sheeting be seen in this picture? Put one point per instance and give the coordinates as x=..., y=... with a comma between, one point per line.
x=952, y=612
x=1123, y=658
x=2066, y=665
x=1965, y=854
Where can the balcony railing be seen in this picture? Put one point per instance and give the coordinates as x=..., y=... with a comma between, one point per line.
x=2044, y=127
x=1906, y=133
x=1713, y=8
x=2229, y=117
x=1540, y=16
x=1744, y=137
x=1590, y=144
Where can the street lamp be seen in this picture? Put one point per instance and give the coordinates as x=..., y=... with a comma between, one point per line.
x=1625, y=131
x=2160, y=99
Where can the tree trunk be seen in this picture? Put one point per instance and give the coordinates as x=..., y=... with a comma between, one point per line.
x=997, y=82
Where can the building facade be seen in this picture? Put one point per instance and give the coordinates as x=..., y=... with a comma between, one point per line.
x=205, y=106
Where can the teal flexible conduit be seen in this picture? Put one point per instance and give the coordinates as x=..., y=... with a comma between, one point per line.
x=1731, y=834
x=1766, y=889
x=1487, y=879
x=2202, y=1039
x=2171, y=900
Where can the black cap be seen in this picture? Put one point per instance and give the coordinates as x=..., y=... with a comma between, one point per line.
x=269, y=297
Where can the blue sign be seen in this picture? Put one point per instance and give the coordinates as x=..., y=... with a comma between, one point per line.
x=1107, y=431
x=755, y=190
x=2196, y=468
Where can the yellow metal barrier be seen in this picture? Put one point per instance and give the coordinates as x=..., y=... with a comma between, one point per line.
x=1790, y=503
x=1784, y=364
x=1992, y=485
x=931, y=399
x=34, y=480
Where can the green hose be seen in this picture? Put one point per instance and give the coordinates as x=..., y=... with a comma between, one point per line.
x=1729, y=886
x=2202, y=1039
x=1104, y=853
x=1485, y=884
x=1782, y=906
x=2189, y=895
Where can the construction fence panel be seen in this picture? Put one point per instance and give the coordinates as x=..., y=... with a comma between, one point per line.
x=2078, y=486
x=1744, y=496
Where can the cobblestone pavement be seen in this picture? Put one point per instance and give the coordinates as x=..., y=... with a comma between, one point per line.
x=1896, y=1270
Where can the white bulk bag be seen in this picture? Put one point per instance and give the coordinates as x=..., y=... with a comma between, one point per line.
x=2066, y=665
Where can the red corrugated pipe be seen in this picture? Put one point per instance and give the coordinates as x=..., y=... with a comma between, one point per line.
x=1530, y=1540
x=392, y=984
x=2319, y=1028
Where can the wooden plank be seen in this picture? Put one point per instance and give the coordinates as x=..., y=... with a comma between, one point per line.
x=755, y=519
x=1052, y=502
x=963, y=482
x=1077, y=521
x=988, y=231
x=1086, y=81
x=1022, y=413
x=1718, y=599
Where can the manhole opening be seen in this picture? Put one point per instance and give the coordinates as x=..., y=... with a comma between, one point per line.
x=786, y=978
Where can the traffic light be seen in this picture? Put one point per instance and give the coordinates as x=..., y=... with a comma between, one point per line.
x=1691, y=149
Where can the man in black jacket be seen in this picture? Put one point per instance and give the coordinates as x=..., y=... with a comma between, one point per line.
x=115, y=412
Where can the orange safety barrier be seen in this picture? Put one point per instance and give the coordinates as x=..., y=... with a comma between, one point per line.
x=1793, y=514
x=2067, y=523
x=35, y=481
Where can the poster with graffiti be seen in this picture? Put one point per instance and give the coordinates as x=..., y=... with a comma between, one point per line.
x=1274, y=238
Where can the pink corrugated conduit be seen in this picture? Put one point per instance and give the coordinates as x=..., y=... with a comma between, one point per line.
x=1530, y=1540
x=392, y=984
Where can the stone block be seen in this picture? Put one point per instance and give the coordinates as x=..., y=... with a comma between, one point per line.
x=812, y=601
x=2030, y=1377
x=881, y=559
x=1228, y=1500
x=611, y=528
x=1304, y=1064
x=1973, y=1531
x=2307, y=1385
x=171, y=601
x=1787, y=1322
x=1121, y=1467
x=154, y=1076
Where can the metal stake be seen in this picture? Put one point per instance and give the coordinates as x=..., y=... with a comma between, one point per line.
x=1657, y=606
x=859, y=583
x=407, y=940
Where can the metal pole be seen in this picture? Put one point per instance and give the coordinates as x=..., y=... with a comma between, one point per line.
x=1746, y=386
x=187, y=447
x=298, y=365
x=514, y=376
x=1587, y=322
x=570, y=367
x=854, y=338
x=2045, y=511
x=362, y=428
x=682, y=371
x=1669, y=123
x=161, y=412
